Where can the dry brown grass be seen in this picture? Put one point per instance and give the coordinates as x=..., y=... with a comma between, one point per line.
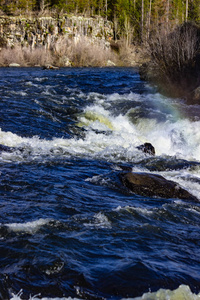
x=25, y=56
x=8, y=55
x=83, y=52
x=38, y=56
x=64, y=52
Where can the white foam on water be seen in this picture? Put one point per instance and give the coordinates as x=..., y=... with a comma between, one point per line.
x=99, y=179
x=115, y=137
x=130, y=97
x=40, y=79
x=99, y=221
x=192, y=187
x=131, y=209
x=183, y=292
x=180, y=137
x=49, y=91
x=27, y=227
x=10, y=139
x=118, y=140
x=30, y=83
x=21, y=93
x=19, y=296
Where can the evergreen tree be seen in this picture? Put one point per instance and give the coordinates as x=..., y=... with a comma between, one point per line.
x=133, y=19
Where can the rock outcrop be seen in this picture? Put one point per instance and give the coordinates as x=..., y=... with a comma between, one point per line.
x=153, y=185
x=147, y=148
x=44, y=31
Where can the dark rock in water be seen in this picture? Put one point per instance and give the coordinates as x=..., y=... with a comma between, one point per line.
x=126, y=168
x=167, y=163
x=4, y=148
x=153, y=185
x=147, y=148
x=8, y=149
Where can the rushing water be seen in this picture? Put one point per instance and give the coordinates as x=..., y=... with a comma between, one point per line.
x=69, y=228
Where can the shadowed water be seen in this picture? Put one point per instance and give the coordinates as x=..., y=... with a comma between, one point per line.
x=68, y=227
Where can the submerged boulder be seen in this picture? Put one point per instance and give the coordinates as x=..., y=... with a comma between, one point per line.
x=153, y=185
x=4, y=148
x=147, y=148
x=9, y=149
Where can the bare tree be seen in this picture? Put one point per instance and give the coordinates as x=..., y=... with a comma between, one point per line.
x=43, y=5
x=142, y=20
x=174, y=58
x=186, y=10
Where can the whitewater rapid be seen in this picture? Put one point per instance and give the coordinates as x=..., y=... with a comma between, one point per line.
x=116, y=136
x=69, y=154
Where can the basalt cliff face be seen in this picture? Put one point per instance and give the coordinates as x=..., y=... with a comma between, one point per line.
x=63, y=41
x=44, y=31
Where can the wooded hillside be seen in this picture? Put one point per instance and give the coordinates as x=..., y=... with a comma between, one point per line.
x=133, y=19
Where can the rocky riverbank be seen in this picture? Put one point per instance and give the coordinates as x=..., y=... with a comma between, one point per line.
x=45, y=31
x=62, y=41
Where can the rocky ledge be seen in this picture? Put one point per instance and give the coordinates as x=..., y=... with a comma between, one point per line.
x=42, y=31
x=154, y=185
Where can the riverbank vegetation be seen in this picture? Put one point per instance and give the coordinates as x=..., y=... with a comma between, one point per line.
x=133, y=20
x=166, y=33
x=63, y=53
x=174, y=61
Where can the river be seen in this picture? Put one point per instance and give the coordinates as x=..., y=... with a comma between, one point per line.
x=69, y=229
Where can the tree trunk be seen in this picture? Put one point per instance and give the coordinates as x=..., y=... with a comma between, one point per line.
x=167, y=16
x=142, y=20
x=186, y=10
x=149, y=19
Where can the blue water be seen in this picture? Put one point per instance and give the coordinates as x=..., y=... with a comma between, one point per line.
x=68, y=226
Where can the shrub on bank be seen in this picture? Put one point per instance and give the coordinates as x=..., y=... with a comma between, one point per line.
x=25, y=56
x=174, y=63
x=62, y=53
x=82, y=52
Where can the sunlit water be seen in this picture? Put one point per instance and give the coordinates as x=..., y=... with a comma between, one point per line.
x=69, y=229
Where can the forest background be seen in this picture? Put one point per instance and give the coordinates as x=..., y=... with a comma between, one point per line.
x=165, y=33
x=133, y=20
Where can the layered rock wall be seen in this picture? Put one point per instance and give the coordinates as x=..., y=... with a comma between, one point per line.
x=45, y=31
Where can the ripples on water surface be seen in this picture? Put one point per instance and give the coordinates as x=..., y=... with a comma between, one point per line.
x=68, y=226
